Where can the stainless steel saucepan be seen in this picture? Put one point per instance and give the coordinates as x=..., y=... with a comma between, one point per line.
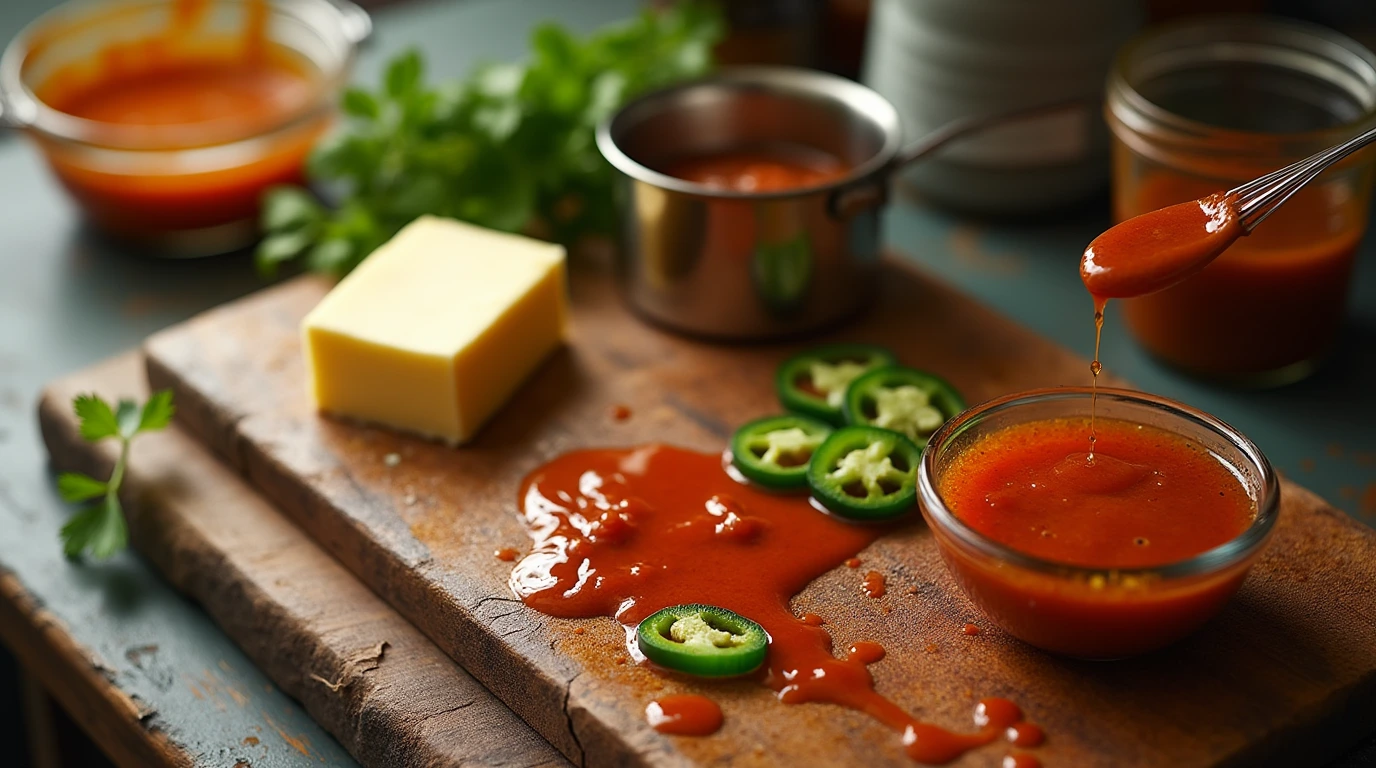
x=737, y=265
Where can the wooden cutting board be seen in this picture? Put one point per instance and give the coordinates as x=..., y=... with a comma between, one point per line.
x=1285, y=676
x=363, y=672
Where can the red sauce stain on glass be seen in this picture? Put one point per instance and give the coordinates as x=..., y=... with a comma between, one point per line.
x=684, y=715
x=624, y=533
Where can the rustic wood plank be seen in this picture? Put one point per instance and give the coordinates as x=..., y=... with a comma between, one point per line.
x=293, y=609
x=1286, y=676
x=81, y=684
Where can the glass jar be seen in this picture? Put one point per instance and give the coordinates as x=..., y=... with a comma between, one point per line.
x=175, y=188
x=1201, y=106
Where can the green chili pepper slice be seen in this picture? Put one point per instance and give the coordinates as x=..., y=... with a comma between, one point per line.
x=865, y=473
x=905, y=400
x=703, y=640
x=774, y=451
x=814, y=382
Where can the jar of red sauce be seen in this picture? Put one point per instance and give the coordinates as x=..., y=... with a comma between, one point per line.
x=1200, y=106
x=167, y=119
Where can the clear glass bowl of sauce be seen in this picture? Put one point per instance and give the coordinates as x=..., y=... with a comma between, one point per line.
x=1105, y=560
x=1201, y=106
x=167, y=119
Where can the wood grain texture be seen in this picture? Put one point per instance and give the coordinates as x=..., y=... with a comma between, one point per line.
x=295, y=611
x=1286, y=676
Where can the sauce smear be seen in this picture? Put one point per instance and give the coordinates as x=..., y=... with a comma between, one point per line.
x=624, y=533
x=684, y=714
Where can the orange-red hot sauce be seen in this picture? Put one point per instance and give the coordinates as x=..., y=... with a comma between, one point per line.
x=771, y=168
x=214, y=92
x=1158, y=249
x=684, y=714
x=1147, y=498
x=624, y=533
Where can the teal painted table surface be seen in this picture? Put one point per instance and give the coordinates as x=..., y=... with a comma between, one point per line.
x=69, y=298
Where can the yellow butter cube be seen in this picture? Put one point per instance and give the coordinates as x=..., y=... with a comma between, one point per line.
x=436, y=329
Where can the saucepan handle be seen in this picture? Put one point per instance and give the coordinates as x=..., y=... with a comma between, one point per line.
x=873, y=191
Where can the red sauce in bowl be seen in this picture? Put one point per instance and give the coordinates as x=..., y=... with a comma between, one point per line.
x=187, y=127
x=1148, y=498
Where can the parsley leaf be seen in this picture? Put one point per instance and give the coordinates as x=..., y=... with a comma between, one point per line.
x=99, y=528
x=97, y=418
x=511, y=147
x=74, y=487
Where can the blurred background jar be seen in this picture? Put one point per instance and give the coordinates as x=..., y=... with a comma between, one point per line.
x=1201, y=105
x=939, y=60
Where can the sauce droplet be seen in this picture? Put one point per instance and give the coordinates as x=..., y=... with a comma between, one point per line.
x=874, y=584
x=1025, y=734
x=937, y=746
x=684, y=715
x=971, y=629
x=579, y=630
x=853, y=562
x=865, y=652
x=812, y=620
x=621, y=412
x=1021, y=760
x=506, y=554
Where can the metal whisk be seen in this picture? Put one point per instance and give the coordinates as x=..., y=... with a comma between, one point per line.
x=1261, y=196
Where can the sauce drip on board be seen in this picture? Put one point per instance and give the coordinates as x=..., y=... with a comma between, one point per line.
x=624, y=533
x=684, y=714
x=770, y=168
x=874, y=585
x=1149, y=497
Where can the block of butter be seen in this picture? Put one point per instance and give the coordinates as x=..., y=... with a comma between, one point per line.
x=436, y=329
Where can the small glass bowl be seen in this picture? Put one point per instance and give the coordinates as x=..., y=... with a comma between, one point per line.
x=189, y=189
x=1096, y=613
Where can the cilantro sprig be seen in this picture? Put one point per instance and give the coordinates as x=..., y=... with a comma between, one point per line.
x=99, y=528
x=511, y=147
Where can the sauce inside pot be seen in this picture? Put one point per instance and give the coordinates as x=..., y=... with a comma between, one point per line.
x=767, y=168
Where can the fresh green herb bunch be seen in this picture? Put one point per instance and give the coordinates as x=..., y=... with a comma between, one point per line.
x=511, y=148
x=99, y=528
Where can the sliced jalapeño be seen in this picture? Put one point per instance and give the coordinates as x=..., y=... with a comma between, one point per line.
x=703, y=640
x=865, y=473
